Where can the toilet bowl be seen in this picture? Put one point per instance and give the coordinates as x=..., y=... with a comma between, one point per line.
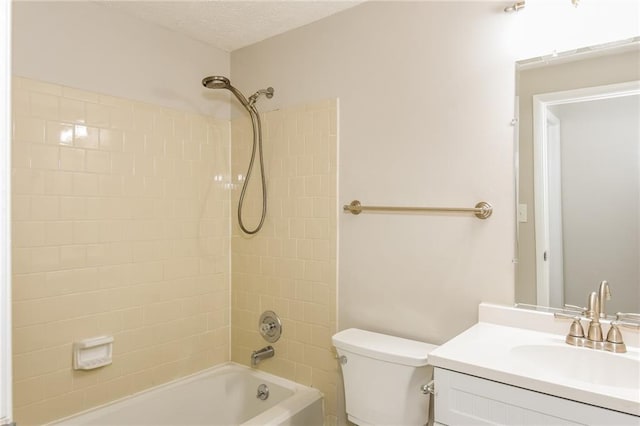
x=384, y=378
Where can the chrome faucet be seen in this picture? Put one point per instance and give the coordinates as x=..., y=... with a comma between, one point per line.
x=260, y=354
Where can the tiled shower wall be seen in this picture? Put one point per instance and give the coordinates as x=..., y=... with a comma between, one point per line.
x=120, y=227
x=290, y=266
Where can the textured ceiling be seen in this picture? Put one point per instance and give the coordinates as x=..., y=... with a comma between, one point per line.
x=231, y=24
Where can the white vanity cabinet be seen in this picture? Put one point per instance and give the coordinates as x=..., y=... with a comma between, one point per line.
x=462, y=399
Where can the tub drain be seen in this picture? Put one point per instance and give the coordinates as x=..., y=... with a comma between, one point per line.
x=263, y=392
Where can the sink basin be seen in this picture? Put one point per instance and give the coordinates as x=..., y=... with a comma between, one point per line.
x=586, y=365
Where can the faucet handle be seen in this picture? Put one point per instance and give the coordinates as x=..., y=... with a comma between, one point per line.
x=576, y=332
x=628, y=316
x=626, y=324
x=562, y=315
x=614, y=341
x=581, y=309
x=572, y=316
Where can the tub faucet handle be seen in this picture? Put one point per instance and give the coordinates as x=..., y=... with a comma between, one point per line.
x=267, y=327
x=270, y=326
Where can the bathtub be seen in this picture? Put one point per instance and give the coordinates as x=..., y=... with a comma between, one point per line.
x=223, y=395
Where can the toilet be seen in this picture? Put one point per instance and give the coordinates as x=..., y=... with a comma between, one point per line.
x=383, y=378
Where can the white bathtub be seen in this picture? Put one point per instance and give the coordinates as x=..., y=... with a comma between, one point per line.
x=223, y=395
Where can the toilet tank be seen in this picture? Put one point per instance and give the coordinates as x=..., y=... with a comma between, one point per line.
x=383, y=376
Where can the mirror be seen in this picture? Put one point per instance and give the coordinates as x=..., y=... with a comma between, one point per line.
x=578, y=177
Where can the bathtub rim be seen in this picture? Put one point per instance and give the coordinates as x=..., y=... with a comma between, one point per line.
x=302, y=397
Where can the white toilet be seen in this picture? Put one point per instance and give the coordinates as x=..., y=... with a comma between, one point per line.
x=383, y=378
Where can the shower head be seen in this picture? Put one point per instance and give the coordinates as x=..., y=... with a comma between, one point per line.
x=216, y=82
x=219, y=82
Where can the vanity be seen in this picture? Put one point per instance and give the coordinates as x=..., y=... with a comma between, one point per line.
x=514, y=368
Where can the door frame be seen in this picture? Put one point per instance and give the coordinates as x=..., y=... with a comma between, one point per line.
x=6, y=400
x=541, y=116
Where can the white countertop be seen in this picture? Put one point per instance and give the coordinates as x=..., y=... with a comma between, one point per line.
x=485, y=350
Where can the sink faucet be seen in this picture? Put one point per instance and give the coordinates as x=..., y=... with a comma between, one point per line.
x=594, y=334
x=604, y=293
x=594, y=311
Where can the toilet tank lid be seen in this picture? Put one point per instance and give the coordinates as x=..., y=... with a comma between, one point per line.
x=383, y=347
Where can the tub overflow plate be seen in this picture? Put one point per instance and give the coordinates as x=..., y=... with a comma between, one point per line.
x=270, y=326
x=262, y=392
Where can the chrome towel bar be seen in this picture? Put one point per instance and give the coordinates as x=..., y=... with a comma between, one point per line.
x=482, y=210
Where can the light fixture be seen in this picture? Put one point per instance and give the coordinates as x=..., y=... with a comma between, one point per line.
x=521, y=4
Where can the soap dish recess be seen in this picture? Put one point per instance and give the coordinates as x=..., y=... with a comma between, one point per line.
x=93, y=353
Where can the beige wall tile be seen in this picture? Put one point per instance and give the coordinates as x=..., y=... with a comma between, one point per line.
x=72, y=159
x=120, y=231
x=58, y=183
x=100, y=247
x=290, y=265
x=98, y=162
x=28, y=129
x=21, y=155
x=71, y=110
x=97, y=115
x=44, y=157
x=86, y=137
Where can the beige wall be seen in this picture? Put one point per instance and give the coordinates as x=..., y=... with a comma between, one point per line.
x=118, y=229
x=93, y=47
x=426, y=94
x=426, y=97
x=289, y=266
x=592, y=72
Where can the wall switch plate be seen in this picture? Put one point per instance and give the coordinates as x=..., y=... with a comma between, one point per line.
x=522, y=213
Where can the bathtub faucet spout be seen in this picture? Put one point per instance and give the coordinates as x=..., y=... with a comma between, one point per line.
x=260, y=354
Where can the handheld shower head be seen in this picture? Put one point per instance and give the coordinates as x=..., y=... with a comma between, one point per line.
x=219, y=82
x=216, y=82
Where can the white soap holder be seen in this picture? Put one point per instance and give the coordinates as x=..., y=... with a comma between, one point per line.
x=93, y=353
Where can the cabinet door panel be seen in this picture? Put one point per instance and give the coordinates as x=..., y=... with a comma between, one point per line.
x=461, y=399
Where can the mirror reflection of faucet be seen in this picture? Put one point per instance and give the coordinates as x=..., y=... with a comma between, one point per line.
x=604, y=293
